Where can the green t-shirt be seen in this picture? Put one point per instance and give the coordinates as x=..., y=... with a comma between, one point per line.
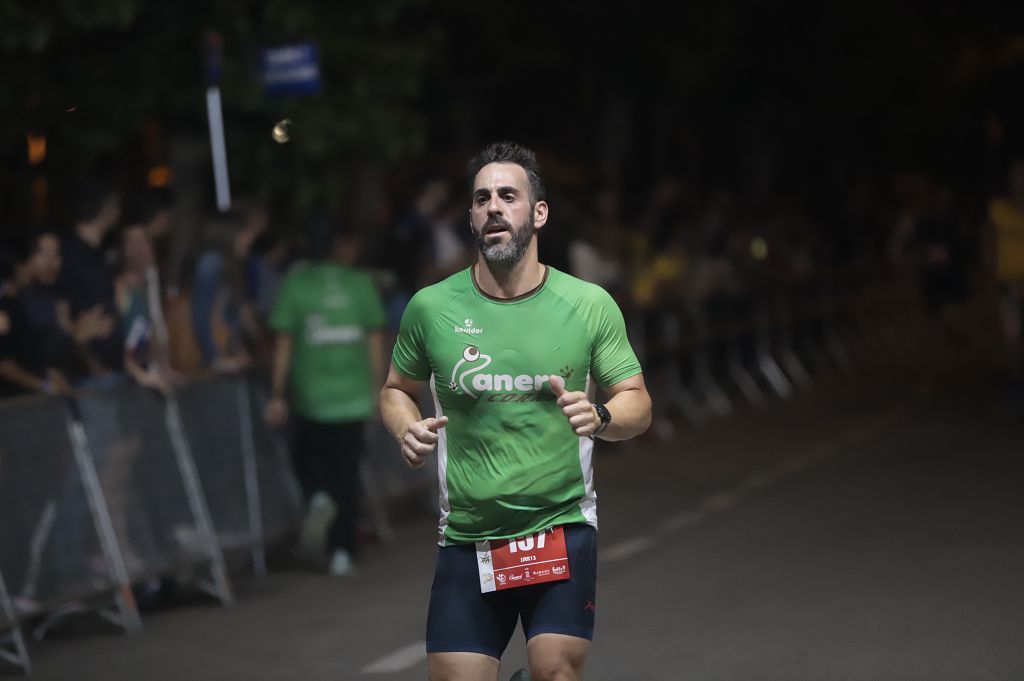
x=508, y=461
x=329, y=309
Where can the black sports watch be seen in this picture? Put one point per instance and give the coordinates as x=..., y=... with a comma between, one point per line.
x=604, y=415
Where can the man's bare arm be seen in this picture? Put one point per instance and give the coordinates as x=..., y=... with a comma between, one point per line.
x=400, y=410
x=628, y=403
x=630, y=406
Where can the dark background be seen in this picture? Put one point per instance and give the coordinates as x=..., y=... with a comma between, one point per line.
x=768, y=97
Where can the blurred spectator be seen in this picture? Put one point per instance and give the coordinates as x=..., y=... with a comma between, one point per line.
x=1006, y=216
x=596, y=249
x=328, y=360
x=151, y=210
x=87, y=283
x=412, y=247
x=451, y=244
x=139, y=304
x=220, y=296
x=265, y=270
x=34, y=350
x=945, y=256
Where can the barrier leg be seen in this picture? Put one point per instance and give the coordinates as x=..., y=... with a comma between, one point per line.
x=787, y=354
x=679, y=395
x=40, y=538
x=126, y=613
x=12, y=643
x=220, y=587
x=252, y=484
x=714, y=397
x=741, y=377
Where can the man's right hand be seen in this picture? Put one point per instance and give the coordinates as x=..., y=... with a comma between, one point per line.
x=276, y=412
x=420, y=439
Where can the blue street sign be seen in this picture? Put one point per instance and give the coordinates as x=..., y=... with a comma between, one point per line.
x=290, y=69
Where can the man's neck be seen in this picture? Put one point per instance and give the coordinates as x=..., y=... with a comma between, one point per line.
x=521, y=278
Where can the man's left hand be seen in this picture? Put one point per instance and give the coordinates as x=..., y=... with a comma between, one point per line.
x=577, y=408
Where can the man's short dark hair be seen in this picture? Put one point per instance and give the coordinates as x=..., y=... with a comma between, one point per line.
x=510, y=152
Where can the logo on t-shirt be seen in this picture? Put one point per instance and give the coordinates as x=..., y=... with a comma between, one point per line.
x=468, y=378
x=319, y=332
x=468, y=327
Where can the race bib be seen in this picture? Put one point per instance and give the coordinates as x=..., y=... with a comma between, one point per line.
x=532, y=559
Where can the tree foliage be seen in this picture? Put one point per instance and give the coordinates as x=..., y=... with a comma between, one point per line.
x=92, y=74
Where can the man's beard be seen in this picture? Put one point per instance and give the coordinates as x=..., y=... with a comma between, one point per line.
x=502, y=254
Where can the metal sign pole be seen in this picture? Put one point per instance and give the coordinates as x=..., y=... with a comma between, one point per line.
x=215, y=119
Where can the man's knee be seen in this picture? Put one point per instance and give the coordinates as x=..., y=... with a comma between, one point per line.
x=462, y=667
x=555, y=670
x=554, y=657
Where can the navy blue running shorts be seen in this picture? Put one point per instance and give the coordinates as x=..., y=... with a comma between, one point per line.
x=461, y=619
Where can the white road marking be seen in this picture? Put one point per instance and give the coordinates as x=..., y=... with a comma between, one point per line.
x=627, y=549
x=796, y=464
x=680, y=521
x=722, y=500
x=759, y=481
x=403, y=658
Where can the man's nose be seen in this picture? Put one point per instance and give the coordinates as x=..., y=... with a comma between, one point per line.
x=494, y=206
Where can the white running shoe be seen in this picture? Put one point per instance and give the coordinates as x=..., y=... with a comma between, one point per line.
x=341, y=564
x=319, y=516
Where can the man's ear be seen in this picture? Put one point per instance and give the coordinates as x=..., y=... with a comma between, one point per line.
x=540, y=214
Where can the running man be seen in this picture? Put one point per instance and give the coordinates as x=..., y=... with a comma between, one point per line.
x=510, y=348
x=328, y=357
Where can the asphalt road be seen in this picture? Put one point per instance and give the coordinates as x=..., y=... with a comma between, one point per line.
x=866, y=530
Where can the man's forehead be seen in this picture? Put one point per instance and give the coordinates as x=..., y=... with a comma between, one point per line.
x=501, y=175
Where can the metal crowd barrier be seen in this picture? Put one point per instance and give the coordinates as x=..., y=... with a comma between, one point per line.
x=123, y=485
x=12, y=644
x=702, y=357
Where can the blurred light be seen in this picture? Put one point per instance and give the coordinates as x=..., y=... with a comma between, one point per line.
x=282, y=131
x=36, y=148
x=71, y=109
x=159, y=176
x=40, y=194
x=758, y=248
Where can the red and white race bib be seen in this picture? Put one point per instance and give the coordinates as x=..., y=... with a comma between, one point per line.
x=531, y=559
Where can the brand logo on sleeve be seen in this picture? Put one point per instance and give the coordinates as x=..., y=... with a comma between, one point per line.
x=469, y=378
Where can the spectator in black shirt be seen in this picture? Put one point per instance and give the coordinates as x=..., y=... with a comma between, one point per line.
x=34, y=349
x=87, y=281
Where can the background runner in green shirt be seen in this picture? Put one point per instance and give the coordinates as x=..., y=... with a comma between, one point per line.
x=328, y=355
x=509, y=348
